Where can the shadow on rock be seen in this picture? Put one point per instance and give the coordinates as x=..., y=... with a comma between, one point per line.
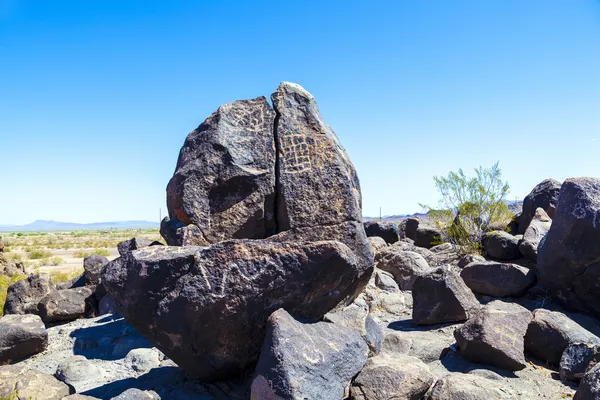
x=454, y=362
x=407, y=326
x=111, y=339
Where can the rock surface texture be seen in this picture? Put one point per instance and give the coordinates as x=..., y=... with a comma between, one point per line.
x=569, y=255
x=535, y=232
x=388, y=231
x=20, y=337
x=309, y=361
x=544, y=195
x=23, y=297
x=498, y=279
x=501, y=245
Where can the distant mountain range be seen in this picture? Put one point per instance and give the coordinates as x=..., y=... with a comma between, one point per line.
x=46, y=225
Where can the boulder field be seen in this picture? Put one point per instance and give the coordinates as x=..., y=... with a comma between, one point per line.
x=270, y=287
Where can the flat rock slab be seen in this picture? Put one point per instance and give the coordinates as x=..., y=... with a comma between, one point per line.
x=457, y=386
x=64, y=305
x=550, y=332
x=20, y=337
x=399, y=377
x=207, y=308
x=495, y=335
x=498, y=279
x=442, y=296
x=26, y=383
x=312, y=361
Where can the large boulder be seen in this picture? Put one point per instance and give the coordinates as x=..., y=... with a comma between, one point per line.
x=92, y=267
x=535, y=232
x=78, y=372
x=498, y=279
x=577, y=359
x=377, y=244
x=427, y=236
x=410, y=227
x=589, y=389
x=224, y=182
x=495, y=336
x=442, y=296
x=206, y=308
x=20, y=337
x=550, y=332
x=309, y=361
x=405, y=266
x=23, y=297
x=501, y=245
x=544, y=195
x=359, y=319
x=29, y=384
x=569, y=255
x=64, y=305
x=385, y=378
x=388, y=231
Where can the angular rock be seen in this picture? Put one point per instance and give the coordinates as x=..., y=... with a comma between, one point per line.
x=550, y=332
x=405, y=266
x=427, y=236
x=30, y=384
x=426, y=346
x=539, y=226
x=577, y=359
x=309, y=361
x=457, y=386
x=172, y=295
x=388, y=231
x=377, y=243
x=385, y=281
x=498, y=279
x=495, y=336
x=64, y=305
x=317, y=184
x=78, y=372
x=501, y=245
x=135, y=243
x=411, y=226
x=544, y=195
x=442, y=296
x=385, y=378
x=142, y=360
x=23, y=297
x=589, y=389
x=21, y=336
x=405, y=245
x=92, y=266
x=359, y=319
x=470, y=258
x=569, y=255
x=224, y=181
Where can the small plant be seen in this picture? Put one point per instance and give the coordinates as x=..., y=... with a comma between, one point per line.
x=80, y=254
x=101, y=252
x=470, y=206
x=37, y=254
x=61, y=277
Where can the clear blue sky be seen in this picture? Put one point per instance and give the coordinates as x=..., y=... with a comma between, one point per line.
x=97, y=96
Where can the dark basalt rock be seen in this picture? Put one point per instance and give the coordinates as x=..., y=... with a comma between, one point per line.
x=135, y=243
x=501, y=245
x=20, y=337
x=23, y=297
x=498, y=279
x=544, y=195
x=206, y=308
x=388, y=231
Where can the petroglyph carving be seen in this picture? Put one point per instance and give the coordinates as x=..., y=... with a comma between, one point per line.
x=297, y=154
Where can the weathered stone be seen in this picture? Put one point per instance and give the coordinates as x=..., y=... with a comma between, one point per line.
x=427, y=346
x=470, y=258
x=92, y=266
x=317, y=184
x=427, y=236
x=577, y=359
x=77, y=372
x=539, y=226
x=309, y=361
x=64, y=305
x=495, y=336
x=20, y=337
x=589, y=389
x=137, y=394
x=550, y=333
x=23, y=297
x=388, y=231
x=135, y=243
x=498, y=279
x=406, y=245
x=359, y=319
x=442, y=296
x=142, y=360
x=569, y=255
x=457, y=386
x=405, y=266
x=224, y=181
x=377, y=243
x=29, y=384
x=411, y=226
x=501, y=245
x=172, y=295
x=385, y=281
x=544, y=195
x=386, y=378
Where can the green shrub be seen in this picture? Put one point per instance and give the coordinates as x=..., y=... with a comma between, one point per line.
x=37, y=254
x=60, y=277
x=101, y=252
x=80, y=254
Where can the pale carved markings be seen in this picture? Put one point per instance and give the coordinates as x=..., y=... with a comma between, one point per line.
x=296, y=154
x=505, y=336
x=579, y=212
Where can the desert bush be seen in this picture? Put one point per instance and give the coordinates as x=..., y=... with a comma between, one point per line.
x=37, y=254
x=80, y=254
x=101, y=252
x=60, y=277
x=469, y=206
x=52, y=261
